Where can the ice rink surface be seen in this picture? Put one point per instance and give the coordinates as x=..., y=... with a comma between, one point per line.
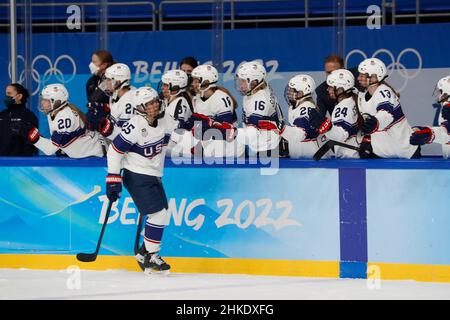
x=119, y=284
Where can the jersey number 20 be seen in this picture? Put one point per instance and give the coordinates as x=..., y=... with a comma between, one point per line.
x=64, y=123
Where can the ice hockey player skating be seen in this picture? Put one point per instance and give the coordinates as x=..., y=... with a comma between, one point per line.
x=141, y=148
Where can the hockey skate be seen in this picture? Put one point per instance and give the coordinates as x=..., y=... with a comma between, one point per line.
x=140, y=255
x=154, y=264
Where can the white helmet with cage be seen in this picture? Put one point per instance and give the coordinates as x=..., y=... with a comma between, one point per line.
x=373, y=66
x=52, y=97
x=249, y=76
x=117, y=76
x=207, y=77
x=442, y=90
x=143, y=97
x=176, y=80
x=299, y=87
x=341, y=78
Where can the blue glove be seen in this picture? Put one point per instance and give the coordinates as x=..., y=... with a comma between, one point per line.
x=422, y=136
x=370, y=124
x=113, y=186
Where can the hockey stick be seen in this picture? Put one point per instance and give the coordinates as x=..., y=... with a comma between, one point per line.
x=90, y=257
x=327, y=146
x=136, y=242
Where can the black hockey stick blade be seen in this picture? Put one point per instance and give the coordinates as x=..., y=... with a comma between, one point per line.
x=90, y=257
x=344, y=145
x=87, y=257
x=323, y=150
x=327, y=147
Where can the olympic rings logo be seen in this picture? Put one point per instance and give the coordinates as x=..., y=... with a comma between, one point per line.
x=395, y=64
x=52, y=69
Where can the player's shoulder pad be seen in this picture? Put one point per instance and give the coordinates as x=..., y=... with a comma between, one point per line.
x=219, y=94
x=132, y=125
x=263, y=94
x=66, y=112
x=137, y=121
x=348, y=102
x=382, y=92
x=181, y=100
x=127, y=97
x=177, y=101
x=307, y=104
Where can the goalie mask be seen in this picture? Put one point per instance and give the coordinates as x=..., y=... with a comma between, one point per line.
x=204, y=77
x=249, y=76
x=53, y=97
x=298, y=88
x=442, y=90
x=147, y=103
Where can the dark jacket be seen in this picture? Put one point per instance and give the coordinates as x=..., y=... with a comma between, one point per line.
x=93, y=93
x=323, y=100
x=15, y=123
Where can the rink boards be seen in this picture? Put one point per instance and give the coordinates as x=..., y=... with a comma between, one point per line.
x=385, y=219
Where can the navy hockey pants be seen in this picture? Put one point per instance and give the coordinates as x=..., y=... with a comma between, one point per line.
x=147, y=191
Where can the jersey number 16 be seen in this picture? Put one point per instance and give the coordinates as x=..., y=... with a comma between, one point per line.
x=260, y=105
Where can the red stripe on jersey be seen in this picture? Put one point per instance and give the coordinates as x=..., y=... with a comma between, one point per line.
x=117, y=150
x=152, y=241
x=68, y=143
x=393, y=124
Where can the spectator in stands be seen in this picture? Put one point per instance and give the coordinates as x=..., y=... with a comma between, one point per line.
x=14, y=122
x=331, y=63
x=187, y=65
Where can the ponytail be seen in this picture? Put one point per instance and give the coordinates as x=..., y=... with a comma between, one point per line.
x=360, y=121
x=188, y=98
x=390, y=87
x=233, y=99
x=78, y=111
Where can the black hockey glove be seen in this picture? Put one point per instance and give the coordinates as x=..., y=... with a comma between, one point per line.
x=113, y=186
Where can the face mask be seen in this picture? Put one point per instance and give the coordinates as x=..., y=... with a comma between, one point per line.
x=94, y=69
x=9, y=101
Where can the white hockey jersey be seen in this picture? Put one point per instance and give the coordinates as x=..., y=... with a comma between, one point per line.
x=302, y=138
x=391, y=140
x=262, y=105
x=219, y=107
x=176, y=119
x=69, y=134
x=121, y=111
x=139, y=147
x=345, y=128
x=442, y=136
